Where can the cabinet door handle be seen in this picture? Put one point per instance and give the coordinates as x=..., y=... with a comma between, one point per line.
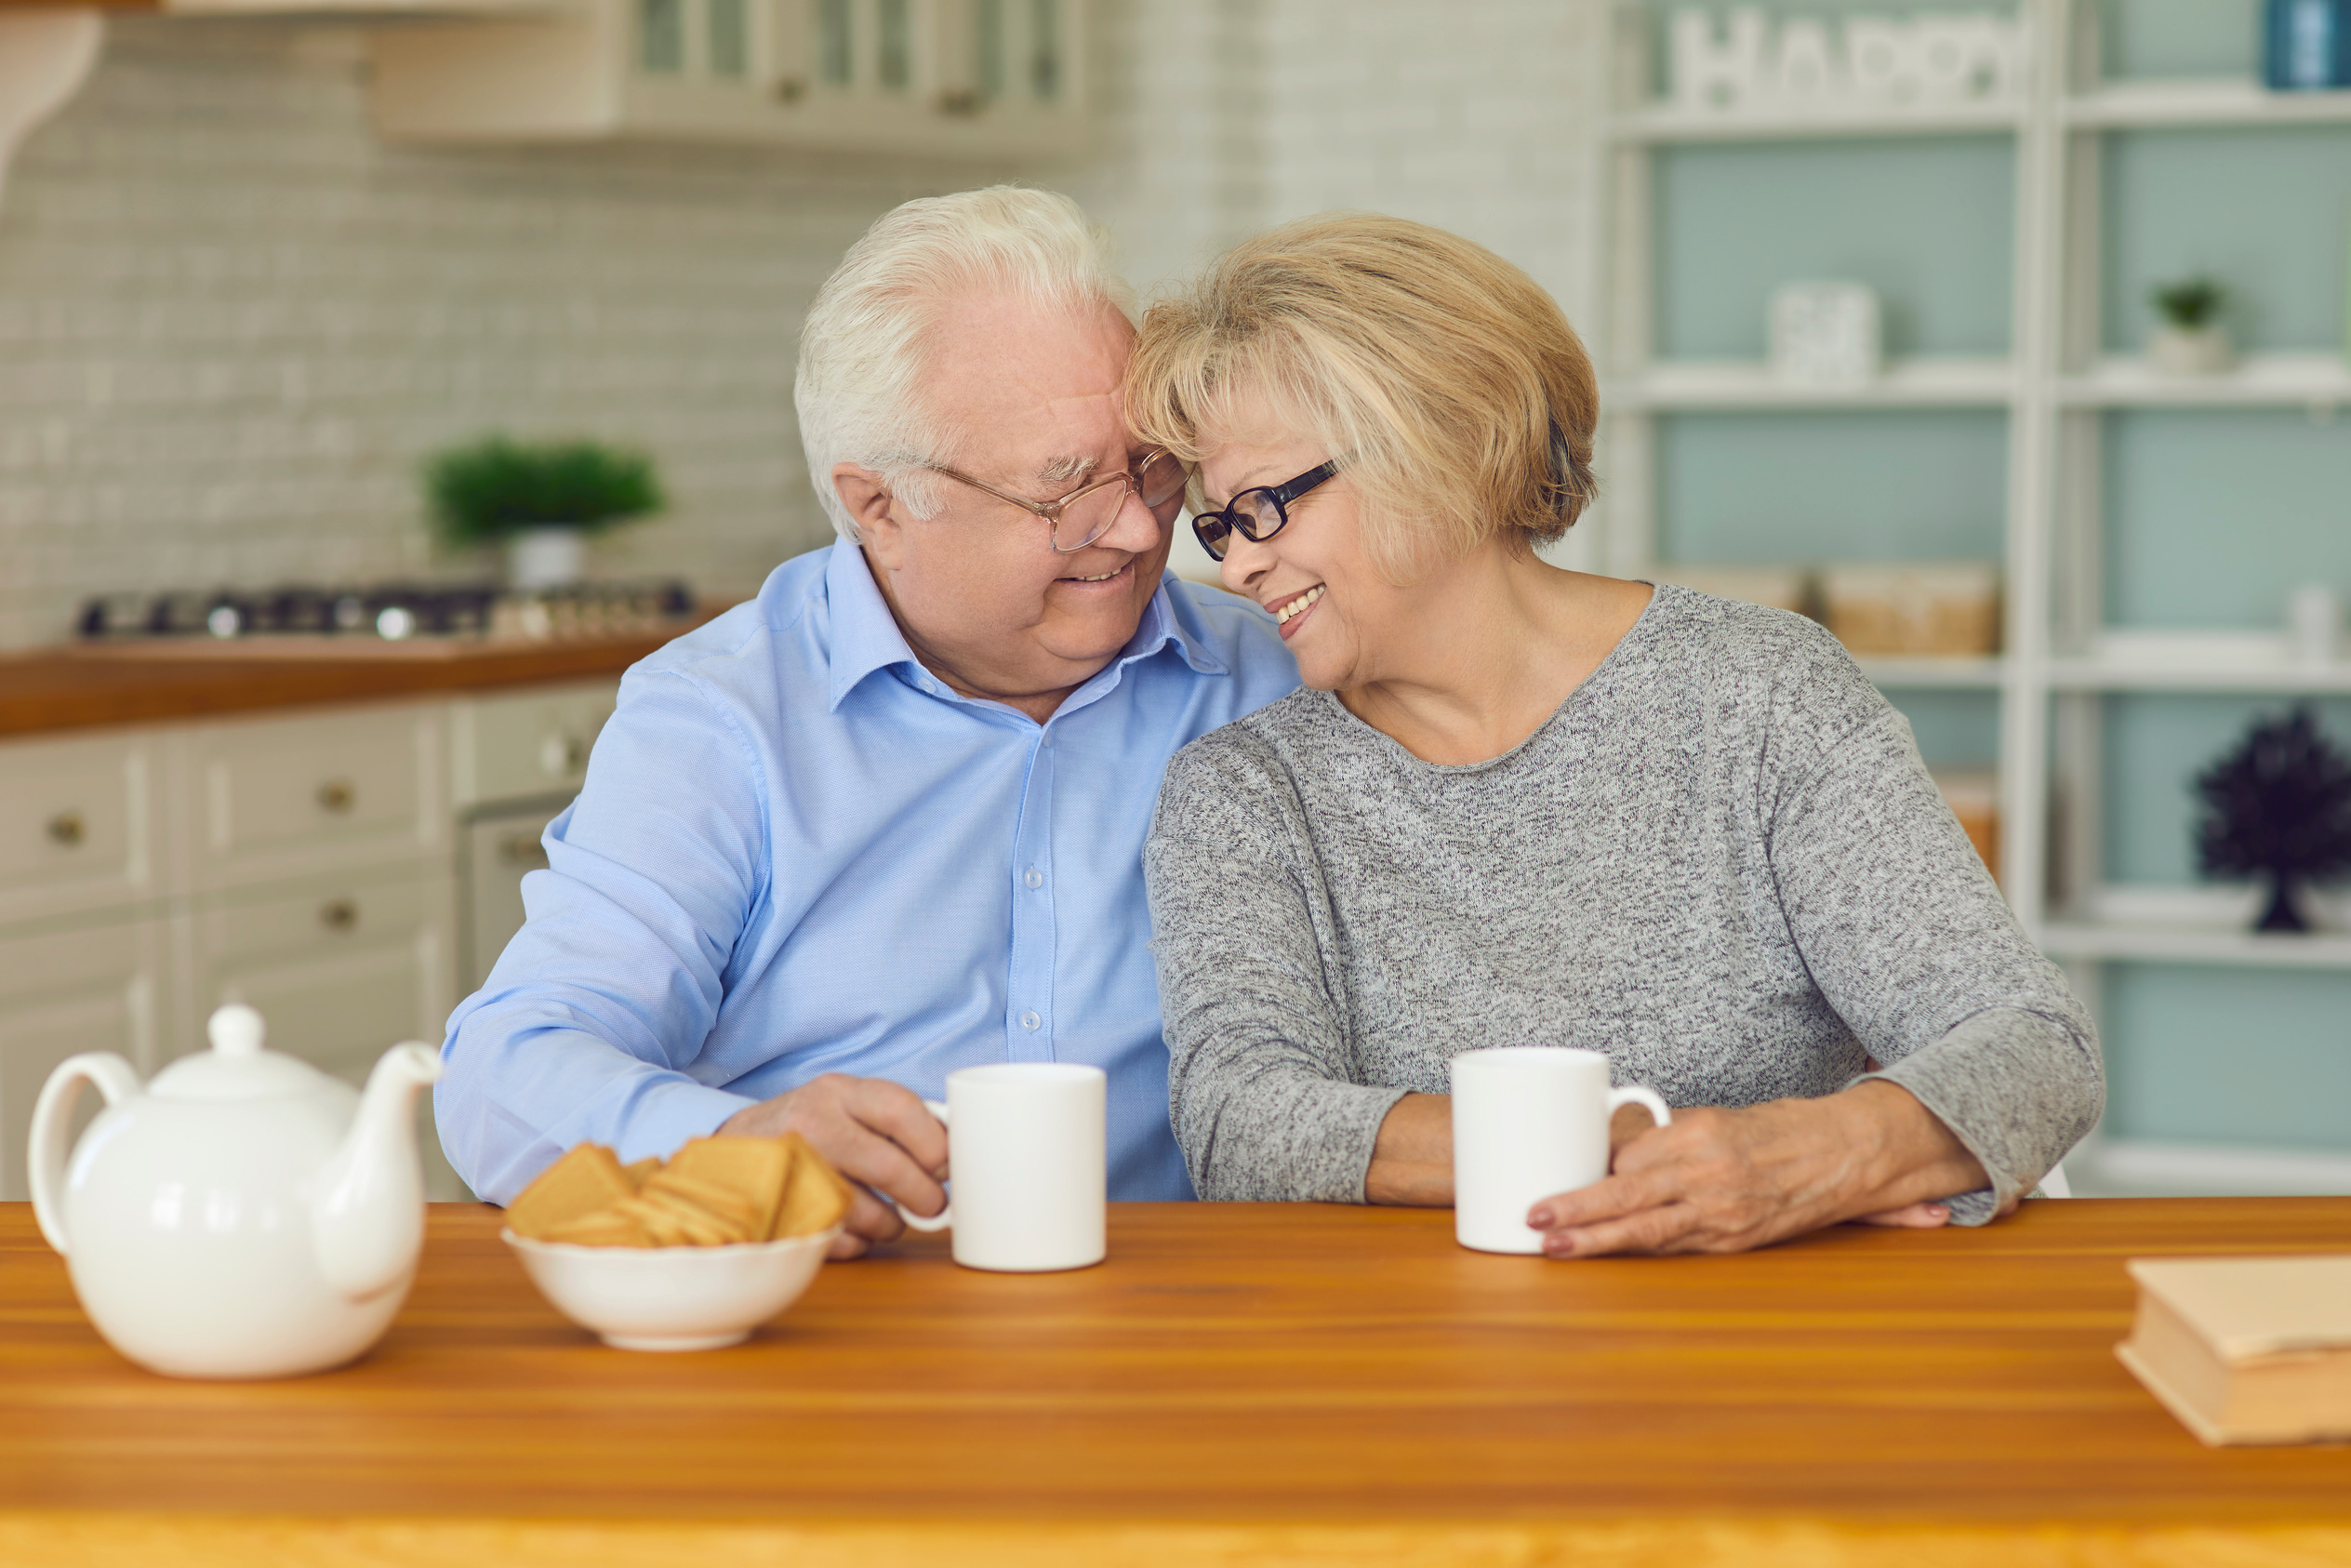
x=336, y=795
x=339, y=914
x=521, y=849
x=560, y=754
x=68, y=829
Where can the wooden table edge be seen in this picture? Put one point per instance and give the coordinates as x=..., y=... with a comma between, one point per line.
x=50, y=1539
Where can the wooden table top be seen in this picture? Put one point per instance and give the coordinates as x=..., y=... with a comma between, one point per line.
x=43, y=692
x=1249, y=1375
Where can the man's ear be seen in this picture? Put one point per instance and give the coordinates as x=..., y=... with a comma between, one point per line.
x=870, y=506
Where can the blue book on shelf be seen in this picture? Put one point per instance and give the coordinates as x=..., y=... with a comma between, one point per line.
x=2306, y=45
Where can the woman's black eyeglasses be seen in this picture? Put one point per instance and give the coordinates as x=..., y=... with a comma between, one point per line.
x=1257, y=515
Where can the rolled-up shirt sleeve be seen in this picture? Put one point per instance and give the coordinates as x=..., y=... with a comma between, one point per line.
x=1263, y=1091
x=589, y=1026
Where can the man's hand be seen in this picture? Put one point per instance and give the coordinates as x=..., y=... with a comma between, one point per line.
x=877, y=1133
x=1730, y=1180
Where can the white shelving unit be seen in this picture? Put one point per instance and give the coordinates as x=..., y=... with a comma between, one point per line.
x=1947, y=674
x=2055, y=386
x=1924, y=382
x=2320, y=382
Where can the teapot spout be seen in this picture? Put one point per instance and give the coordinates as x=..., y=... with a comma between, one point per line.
x=368, y=1203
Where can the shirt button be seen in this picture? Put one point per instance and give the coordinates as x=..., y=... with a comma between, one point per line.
x=1030, y=1020
x=1034, y=877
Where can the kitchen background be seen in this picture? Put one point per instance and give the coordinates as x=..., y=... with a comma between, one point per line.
x=234, y=319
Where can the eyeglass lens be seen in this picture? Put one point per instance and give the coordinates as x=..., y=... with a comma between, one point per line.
x=1255, y=513
x=1088, y=516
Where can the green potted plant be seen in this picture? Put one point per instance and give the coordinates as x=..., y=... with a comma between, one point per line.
x=2188, y=339
x=540, y=500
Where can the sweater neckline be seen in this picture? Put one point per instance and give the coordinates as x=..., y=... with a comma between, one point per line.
x=1639, y=632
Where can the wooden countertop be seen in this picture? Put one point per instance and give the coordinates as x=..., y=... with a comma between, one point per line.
x=65, y=690
x=1240, y=1383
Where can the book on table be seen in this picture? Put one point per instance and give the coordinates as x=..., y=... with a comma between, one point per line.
x=2246, y=1349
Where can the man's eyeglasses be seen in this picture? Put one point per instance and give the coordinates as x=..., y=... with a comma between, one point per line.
x=1084, y=515
x=1257, y=515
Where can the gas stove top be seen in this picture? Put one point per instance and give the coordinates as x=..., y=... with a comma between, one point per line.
x=389, y=613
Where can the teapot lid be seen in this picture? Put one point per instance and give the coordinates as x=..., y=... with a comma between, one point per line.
x=236, y=1067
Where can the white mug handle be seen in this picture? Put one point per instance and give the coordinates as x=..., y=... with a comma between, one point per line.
x=1658, y=1110
x=944, y=1216
x=53, y=1118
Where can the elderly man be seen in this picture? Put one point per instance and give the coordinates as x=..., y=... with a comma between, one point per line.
x=886, y=820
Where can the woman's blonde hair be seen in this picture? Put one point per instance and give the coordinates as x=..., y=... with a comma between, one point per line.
x=1447, y=383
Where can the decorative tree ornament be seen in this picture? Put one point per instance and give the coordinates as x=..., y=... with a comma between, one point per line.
x=2278, y=807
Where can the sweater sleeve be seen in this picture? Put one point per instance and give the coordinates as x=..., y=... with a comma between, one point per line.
x=1263, y=1090
x=1909, y=940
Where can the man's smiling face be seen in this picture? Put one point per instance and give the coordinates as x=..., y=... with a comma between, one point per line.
x=1029, y=397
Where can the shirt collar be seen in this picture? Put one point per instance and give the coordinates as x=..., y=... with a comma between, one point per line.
x=865, y=636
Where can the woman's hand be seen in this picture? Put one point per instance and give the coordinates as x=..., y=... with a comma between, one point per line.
x=1412, y=1159
x=1730, y=1180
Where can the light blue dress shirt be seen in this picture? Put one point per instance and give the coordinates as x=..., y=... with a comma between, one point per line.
x=798, y=851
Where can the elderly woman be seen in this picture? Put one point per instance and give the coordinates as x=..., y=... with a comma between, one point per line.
x=1517, y=805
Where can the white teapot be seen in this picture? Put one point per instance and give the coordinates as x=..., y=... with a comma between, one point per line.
x=245, y=1215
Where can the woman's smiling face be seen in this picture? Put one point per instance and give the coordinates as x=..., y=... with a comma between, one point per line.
x=1337, y=612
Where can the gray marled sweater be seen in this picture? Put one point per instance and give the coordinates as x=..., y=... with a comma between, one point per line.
x=1721, y=862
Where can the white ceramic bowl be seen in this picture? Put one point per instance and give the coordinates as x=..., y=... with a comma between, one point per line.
x=673, y=1298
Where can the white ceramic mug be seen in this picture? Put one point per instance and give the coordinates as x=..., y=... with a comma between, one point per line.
x=1026, y=1158
x=1529, y=1121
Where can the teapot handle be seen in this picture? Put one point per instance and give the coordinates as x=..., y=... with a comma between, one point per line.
x=53, y=1118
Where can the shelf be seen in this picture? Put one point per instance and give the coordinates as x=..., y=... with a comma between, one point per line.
x=2194, y=102
x=2318, y=381
x=2190, y=661
x=2104, y=1167
x=2197, y=943
x=1925, y=383
x=2198, y=924
x=2204, y=101
x=1964, y=674
x=1671, y=122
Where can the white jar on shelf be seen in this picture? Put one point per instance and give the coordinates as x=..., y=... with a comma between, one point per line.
x=2314, y=624
x=1826, y=333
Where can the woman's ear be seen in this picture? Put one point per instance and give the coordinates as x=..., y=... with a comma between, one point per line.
x=870, y=506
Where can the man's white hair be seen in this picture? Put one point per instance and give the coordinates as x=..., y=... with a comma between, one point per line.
x=862, y=354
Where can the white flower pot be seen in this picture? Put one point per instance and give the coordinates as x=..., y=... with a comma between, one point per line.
x=546, y=557
x=2189, y=351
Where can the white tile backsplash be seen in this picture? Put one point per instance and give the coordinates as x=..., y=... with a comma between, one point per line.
x=232, y=322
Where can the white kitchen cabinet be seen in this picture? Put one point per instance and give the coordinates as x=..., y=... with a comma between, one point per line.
x=79, y=828
x=66, y=989
x=523, y=745
x=515, y=761
x=288, y=797
x=350, y=871
x=342, y=967
x=939, y=78
x=498, y=850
